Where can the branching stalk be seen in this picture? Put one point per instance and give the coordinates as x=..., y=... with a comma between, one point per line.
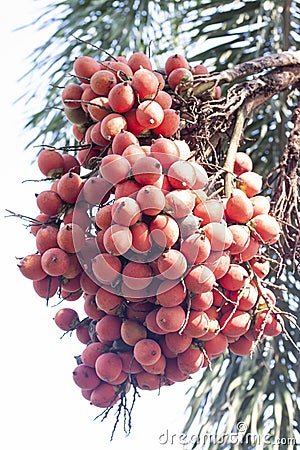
x=231, y=152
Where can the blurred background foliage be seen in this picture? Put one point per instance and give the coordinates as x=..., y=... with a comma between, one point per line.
x=262, y=391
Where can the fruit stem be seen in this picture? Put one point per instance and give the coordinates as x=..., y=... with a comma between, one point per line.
x=188, y=311
x=231, y=152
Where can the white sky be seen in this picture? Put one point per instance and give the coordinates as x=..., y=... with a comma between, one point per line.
x=41, y=406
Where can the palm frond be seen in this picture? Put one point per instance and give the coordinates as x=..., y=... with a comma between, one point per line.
x=243, y=401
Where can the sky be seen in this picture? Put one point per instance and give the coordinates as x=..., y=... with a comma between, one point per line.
x=42, y=408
